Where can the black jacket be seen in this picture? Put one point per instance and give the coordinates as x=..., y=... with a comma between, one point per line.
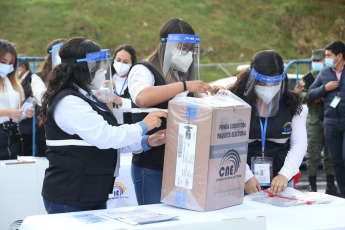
x=25, y=126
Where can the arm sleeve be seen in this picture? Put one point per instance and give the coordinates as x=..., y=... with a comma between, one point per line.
x=38, y=88
x=139, y=78
x=126, y=104
x=75, y=116
x=298, y=148
x=249, y=173
x=316, y=90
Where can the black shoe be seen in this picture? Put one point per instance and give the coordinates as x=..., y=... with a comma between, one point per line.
x=312, y=184
x=331, y=189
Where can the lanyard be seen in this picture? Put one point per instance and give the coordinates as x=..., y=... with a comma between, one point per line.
x=123, y=86
x=263, y=128
x=179, y=77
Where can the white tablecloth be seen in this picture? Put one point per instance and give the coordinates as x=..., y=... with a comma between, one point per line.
x=123, y=192
x=325, y=216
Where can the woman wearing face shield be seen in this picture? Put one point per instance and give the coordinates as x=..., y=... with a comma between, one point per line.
x=83, y=137
x=124, y=57
x=277, y=137
x=39, y=86
x=11, y=98
x=168, y=71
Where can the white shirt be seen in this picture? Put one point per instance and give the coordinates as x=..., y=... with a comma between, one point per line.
x=75, y=116
x=38, y=88
x=298, y=148
x=139, y=78
x=25, y=74
x=9, y=98
x=121, y=84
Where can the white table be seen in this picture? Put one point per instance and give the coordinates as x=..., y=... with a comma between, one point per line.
x=326, y=216
x=21, y=186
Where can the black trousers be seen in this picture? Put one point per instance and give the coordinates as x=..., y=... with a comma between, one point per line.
x=10, y=144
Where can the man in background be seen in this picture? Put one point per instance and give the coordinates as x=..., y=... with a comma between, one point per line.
x=330, y=85
x=316, y=139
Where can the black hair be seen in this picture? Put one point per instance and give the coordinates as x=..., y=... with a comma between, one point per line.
x=26, y=64
x=337, y=48
x=268, y=63
x=127, y=48
x=69, y=75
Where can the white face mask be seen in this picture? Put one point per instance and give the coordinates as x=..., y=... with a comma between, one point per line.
x=5, y=69
x=97, y=81
x=181, y=62
x=266, y=93
x=121, y=69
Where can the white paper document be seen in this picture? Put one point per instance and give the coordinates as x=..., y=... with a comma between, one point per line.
x=138, y=216
x=185, y=155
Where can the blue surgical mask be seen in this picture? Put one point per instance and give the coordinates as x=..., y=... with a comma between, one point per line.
x=5, y=69
x=329, y=62
x=317, y=66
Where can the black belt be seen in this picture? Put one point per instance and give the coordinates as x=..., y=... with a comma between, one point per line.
x=9, y=125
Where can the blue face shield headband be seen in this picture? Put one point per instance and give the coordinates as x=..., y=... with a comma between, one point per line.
x=267, y=79
x=95, y=56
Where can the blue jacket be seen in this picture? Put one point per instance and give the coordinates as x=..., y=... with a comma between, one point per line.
x=335, y=116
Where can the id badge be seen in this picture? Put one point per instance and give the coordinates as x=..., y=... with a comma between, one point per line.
x=335, y=101
x=262, y=168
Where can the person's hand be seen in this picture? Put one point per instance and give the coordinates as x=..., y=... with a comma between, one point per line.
x=117, y=99
x=14, y=114
x=332, y=85
x=317, y=101
x=152, y=120
x=29, y=112
x=199, y=86
x=252, y=185
x=279, y=184
x=216, y=88
x=106, y=84
x=157, y=138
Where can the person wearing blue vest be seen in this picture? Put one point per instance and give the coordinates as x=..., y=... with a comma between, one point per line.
x=171, y=69
x=82, y=135
x=277, y=135
x=329, y=86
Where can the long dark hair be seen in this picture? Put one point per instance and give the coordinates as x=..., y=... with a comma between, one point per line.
x=9, y=47
x=173, y=26
x=46, y=67
x=129, y=49
x=69, y=75
x=268, y=63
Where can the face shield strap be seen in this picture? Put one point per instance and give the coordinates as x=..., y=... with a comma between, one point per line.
x=164, y=40
x=68, y=60
x=266, y=79
x=56, y=47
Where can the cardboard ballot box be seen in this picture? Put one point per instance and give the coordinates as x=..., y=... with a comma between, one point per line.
x=205, y=152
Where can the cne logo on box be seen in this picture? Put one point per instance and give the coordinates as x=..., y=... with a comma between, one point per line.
x=119, y=189
x=230, y=163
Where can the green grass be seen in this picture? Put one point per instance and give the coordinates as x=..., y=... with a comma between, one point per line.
x=231, y=31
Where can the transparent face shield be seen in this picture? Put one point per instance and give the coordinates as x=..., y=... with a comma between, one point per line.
x=55, y=54
x=267, y=91
x=99, y=69
x=181, y=58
